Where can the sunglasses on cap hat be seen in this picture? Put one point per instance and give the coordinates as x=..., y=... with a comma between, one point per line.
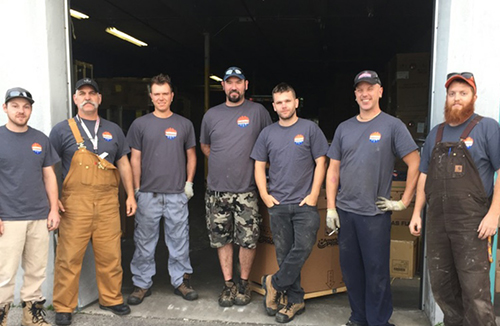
x=234, y=72
x=468, y=77
x=18, y=93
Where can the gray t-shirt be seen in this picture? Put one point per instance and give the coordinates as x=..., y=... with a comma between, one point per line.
x=163, y=143
x=22, y=159
x=231, y=133
x=110, y=140
x=291, y=153
x=366, y=151
x=483, y=144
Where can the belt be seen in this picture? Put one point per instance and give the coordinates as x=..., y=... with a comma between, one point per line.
x=218, y=193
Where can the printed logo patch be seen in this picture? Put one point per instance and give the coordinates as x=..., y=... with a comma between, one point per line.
x=375, y=137
x=469, y=142
x=171, y=133
x=299, y=139
x=458, y=169
x=36, y=148
x=243, y=121
x=107, y=136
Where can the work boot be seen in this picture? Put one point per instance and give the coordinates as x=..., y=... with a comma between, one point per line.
x=63, y=318
x=119, y=309
x=33, y=314
x=138, y=295
x=270, y=295
x=4, y=311
x=288, y=312
x=228, y=294
x=244, y=294
x=185, y=290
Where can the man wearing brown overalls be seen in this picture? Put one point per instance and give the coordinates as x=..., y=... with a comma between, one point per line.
x=94, y=156
x=459, y=160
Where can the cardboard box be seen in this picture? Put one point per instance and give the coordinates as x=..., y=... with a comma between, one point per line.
x=403, y=253
x=321, y=274
x=397, y=190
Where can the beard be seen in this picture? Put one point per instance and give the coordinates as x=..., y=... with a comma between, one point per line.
x=234, y=99
x=457, y=117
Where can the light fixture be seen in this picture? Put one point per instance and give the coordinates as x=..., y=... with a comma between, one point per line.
x=77, y=14
x=216, y=78
x=125, y=36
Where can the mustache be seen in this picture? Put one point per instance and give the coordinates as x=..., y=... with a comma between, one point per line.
x=88, y=102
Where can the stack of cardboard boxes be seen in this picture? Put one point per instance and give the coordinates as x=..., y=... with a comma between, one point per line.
x=321, y=273
x=404, y=246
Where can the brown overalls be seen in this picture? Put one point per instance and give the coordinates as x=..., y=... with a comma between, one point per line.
x=90, y=197
x=457, y=258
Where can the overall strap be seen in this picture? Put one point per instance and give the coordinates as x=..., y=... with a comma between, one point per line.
x=439, y=134
x=471, y=126
x=76, y=132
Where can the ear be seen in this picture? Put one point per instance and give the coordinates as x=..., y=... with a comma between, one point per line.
x=173, y=96
x=246, y=84
x=74, y=98
x=4, y=107
x=381, y=91
x=100, y=98
x=296, y=103
x=274, y=107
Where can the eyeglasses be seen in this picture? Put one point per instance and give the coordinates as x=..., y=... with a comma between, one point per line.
x=466, y=75
x=19, y=94
x=234, y=71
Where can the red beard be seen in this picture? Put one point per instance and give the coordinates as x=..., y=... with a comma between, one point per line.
x=457, y=117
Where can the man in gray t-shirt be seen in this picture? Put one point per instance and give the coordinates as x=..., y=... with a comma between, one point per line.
x=295, y=149
x=163, y=164
x=358, y=184
x=28, y=207
x=228, y=133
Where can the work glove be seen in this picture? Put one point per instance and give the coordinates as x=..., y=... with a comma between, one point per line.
x=385, y=204
x=332, y=220
x=188, y=190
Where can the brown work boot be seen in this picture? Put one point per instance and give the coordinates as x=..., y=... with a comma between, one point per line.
x=138, y=295
x=33, y=314
x=228, y=294
x=244, y=294
x=4, y=311
x=270, y=295
x=185, y=290
x=288, y=312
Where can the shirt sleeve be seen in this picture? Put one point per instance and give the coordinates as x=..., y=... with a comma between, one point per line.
x=335, y=150
x=191, y=138
x=204, y=131
x=259, y=151
x=319, y=143
x=133, y=136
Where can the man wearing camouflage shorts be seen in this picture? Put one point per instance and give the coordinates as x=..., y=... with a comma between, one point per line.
x=228, y=133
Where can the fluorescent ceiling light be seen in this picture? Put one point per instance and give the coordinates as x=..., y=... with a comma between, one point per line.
x=77, y=14
x=125, y=36
x=216, y=78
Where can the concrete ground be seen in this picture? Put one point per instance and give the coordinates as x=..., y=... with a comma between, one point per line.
x=163, y=307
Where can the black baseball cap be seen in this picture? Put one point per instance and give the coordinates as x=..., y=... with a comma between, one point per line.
x=234, y=72
x=368, y=76
x=87, y=81
x=18, y=92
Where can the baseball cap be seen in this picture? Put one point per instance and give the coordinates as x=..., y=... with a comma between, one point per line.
x=368, y=76
x=87, y=81
x=234, y=72
x=18, y=92
x=468, y=77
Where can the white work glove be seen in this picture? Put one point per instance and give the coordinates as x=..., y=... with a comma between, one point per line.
x=385, y=204
x=188, y=190
x=332, y=220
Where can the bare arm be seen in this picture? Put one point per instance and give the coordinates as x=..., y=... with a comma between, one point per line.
x=126, y=174
x=260, y=180
x=416, y=219
x=205, y=149
x=50, y=181
x=191, y=163
x=135, y=163
x=332, y=183
x=412, y=160
x=489, y=224
x=319, y=177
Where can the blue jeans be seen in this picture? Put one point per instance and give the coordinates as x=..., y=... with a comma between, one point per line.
x=151, y=207
x=294, y=231
x=364, y=243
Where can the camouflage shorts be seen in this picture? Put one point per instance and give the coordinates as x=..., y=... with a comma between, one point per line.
x=232, y=218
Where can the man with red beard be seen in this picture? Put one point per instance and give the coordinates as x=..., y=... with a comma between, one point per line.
x=459, y=160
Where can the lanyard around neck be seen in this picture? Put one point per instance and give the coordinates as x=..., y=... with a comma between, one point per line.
x=94, y=139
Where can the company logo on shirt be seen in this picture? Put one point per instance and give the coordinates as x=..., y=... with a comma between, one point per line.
x=171, y=133
x=299, y=139
x=375, y=137
x=243, y=121
x=469, y=142
x=36, y=148
x=107, y=136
